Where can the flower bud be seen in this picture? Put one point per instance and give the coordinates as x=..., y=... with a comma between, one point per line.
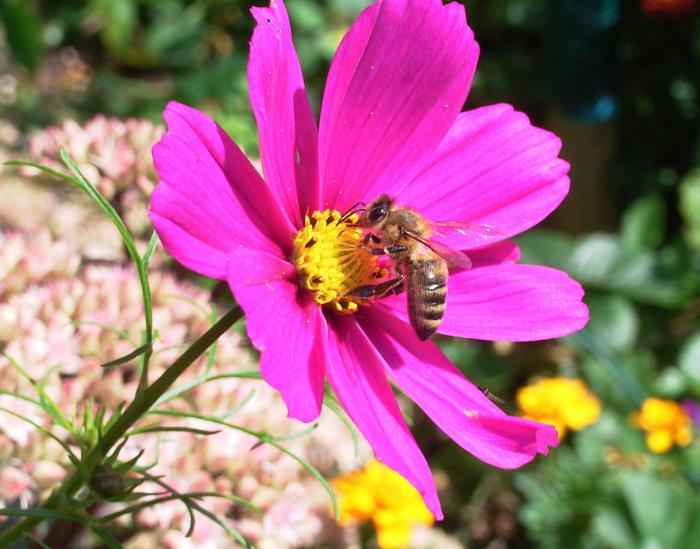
x=107, y=482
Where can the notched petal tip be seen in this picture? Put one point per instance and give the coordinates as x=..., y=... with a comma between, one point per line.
x=546, y=437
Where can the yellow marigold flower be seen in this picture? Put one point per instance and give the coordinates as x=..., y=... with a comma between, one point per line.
x=666, y=424
x=380, y=494
x=560, y=401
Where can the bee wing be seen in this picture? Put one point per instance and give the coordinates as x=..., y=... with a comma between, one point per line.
x=465, y=234
x=454, y=258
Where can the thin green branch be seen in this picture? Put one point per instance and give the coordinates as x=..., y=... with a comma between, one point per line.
x=138, y=408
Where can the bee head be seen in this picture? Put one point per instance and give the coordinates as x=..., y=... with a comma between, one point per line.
x=376, y=211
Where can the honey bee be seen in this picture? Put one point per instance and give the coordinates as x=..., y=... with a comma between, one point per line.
x=409, y=239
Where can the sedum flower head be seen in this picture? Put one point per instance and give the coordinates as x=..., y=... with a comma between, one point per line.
x=390, y=123
x=25, y=262
x=62, y=326
x=381, y=495
x=114, y=154
x=665, y=422
x=560, y=401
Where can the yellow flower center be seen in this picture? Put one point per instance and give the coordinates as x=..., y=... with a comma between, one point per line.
x=332, y=261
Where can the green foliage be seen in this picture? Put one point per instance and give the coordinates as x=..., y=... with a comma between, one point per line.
x=562, y=497
x=84, y=184
x=23, y=31
x=663, y=511
x=602, y=487
x=689, y=204
x=644, y=223
x=605, y=262
x=689, y=362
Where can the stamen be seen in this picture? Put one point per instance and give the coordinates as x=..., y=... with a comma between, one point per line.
x=332, y=261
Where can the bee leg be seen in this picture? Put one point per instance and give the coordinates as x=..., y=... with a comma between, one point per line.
x=373, y=237
x=389, y=250
x=377, y=290
x=488, y=394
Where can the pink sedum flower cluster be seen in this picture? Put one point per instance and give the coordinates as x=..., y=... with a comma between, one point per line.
x=112, y=153
x=56, y=322
x=390, y=122
x=24, y=262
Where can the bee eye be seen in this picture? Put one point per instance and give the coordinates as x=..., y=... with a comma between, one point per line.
x=376, y=213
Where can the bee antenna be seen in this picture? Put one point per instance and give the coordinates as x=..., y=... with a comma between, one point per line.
x=352, y=210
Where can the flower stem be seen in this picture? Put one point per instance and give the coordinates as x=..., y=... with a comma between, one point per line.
x=139, y=406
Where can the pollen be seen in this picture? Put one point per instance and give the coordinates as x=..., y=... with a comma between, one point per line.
x=332, y=260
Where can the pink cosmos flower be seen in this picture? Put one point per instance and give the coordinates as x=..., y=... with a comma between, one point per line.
x=390, y=123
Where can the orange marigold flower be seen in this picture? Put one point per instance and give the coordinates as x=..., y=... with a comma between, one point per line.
x=380, y=494
x=563, y=402
x=666, y=424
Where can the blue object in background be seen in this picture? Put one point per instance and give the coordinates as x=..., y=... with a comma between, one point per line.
x=581, y=47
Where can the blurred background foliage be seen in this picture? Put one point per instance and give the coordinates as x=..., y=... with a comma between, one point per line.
x=619, y=81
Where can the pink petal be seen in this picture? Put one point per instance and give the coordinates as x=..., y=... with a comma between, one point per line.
x=396, y=84
x=456, y=405
x=356, y=374
x=495, y=168
x=286, y=327
x=210, y=199
x=286, y=125
x=508, y=302
x=512, y=302
x=191, y=251
x=502, y=252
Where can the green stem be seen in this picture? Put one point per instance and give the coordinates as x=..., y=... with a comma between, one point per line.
x=141, y=404
x=634, y=392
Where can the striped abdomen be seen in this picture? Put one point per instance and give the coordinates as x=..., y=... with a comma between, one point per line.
x=427, y=292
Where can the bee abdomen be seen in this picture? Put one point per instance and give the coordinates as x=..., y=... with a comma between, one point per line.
x=427, y=292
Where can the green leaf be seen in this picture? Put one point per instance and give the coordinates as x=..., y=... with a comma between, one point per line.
x=119, y=21
x=689, y=359
x=330, y=401
x=614, y=320
x=79, y=180
x=191, y=505
x=129, y=357
x=545, y=247
x=51, y=514
x=181, y=496
x=644, y=223
x=152, y=244
x=662, y=510
x=22, y=32
x=689, y=192
x=36, y=540
x=602, y=261
x=619, y=374
x=263, y=437
x=128, y=240
x=45, y=401
x=205, y=378
x=143, y=430
x=613, y=529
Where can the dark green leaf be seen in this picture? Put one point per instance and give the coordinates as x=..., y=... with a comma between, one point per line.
x=127, y=358
x=644, y=223
x=22, y=32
